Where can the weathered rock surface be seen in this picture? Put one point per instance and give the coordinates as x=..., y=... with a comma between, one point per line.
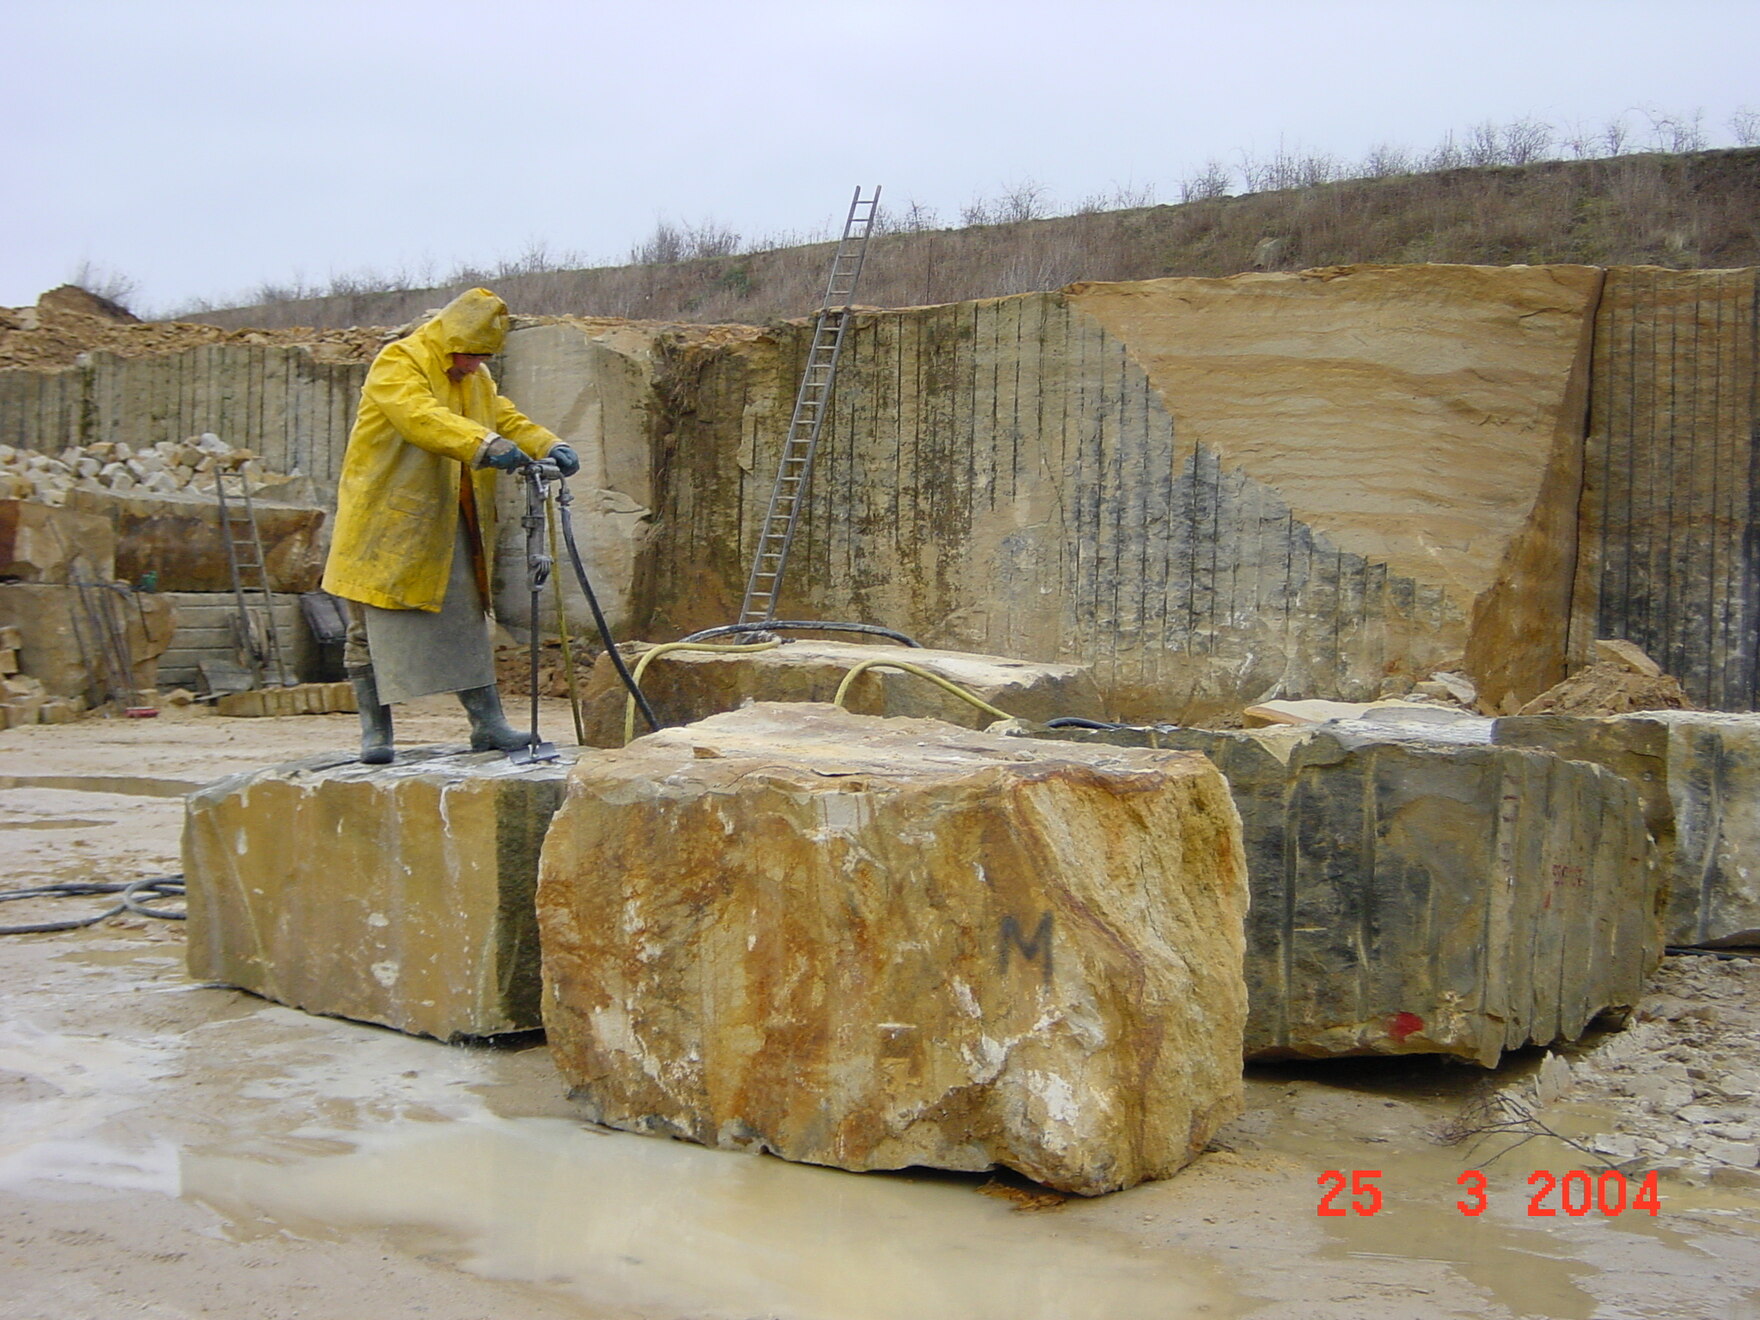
x=1428, y=418
x=880, y=943
x=65, y=634
x=593, y=382
x=1212, y=492
x=1668, y=524
x=41, y=543
x=398, y=894
x=1698, y=775
x=179, y=537
x=686, y=686
x=1426, y=892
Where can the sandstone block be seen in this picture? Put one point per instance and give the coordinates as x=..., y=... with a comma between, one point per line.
x=1416, y=895
x=303, y=699
x=40, y=543
x=879, y=943
x=56, y=631
x=178, y=536
x=686, y=686
x=1698, y=775
x=398, y=894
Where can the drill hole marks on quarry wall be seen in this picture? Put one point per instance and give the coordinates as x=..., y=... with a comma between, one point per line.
x=1212, y=491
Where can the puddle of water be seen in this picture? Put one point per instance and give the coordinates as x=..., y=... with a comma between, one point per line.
x=130, y=785
x=1535, y=1265
x=663, y=1228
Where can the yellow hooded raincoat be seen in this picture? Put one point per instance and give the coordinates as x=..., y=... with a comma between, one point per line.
x=416, y=433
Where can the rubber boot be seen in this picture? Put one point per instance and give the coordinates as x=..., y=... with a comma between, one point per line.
x=375, y=719
x=490, y=731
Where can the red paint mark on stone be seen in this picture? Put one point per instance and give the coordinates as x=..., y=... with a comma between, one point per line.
x=1404, y=1024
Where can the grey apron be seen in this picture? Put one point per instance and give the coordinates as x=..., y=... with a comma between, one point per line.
x=416, y=652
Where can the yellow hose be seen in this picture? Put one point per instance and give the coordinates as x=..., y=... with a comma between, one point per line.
x=629, y=703
x=920, y=672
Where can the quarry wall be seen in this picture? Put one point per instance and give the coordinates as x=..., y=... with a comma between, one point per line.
x=1671, y=479
x=1213, y=492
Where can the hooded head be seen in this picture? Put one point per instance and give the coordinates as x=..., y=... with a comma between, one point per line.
x=475, y=322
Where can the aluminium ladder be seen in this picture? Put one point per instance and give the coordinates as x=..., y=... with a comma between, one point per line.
x=789, y=493
x=257, y=640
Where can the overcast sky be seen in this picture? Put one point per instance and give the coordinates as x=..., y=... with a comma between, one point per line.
x=201, y=147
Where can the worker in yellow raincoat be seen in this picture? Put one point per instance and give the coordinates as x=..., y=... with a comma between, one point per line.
x=415, y=521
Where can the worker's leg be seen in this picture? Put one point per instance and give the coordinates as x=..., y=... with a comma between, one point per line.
x=490, y=731
x=357, y=663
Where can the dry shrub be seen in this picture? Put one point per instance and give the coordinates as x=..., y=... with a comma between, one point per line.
x=1692, y=210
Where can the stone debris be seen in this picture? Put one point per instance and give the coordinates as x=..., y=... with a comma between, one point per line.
x=166, y=468
x=302, y=699
x=880, y=943
x=1628, y=655
x=1684, y=1076
x=64, y=326
x=1609, y=688
x=398, y=894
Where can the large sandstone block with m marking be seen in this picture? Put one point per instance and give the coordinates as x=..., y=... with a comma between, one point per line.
x=874, y=943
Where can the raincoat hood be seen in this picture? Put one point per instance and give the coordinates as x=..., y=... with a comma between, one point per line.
x=473, y=322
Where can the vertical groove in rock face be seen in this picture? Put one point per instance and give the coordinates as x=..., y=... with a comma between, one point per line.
x=1004, y=477
x=1670, y=558
x=880, y=943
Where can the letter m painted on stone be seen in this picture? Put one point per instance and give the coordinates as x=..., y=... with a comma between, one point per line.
x=1034, y=948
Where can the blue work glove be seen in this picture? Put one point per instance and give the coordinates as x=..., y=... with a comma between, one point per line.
x=502, y=454
x=567, y=461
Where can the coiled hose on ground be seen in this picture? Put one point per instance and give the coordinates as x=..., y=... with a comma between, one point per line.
x=135, y=896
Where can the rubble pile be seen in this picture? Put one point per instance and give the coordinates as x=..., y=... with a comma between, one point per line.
x=167, y=468
x=68, y=322
x=1685, y=1075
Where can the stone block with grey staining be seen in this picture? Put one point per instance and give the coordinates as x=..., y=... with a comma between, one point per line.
x=1419, y=890
x=874, y=943
x=1698, y=774
x=400, y=894
x=685, y=686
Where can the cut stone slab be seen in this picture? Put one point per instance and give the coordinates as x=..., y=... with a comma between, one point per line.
x=397, y=894
x=686, y=686
x=879, y=943
x=303, y=699
x=57, y=641
x=1315, y=710
x=1698, y=775
x=1418, y=890
x=177, y=536
x=48, y=543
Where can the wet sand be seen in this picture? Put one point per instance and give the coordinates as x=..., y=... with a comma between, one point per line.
x=170, y=1149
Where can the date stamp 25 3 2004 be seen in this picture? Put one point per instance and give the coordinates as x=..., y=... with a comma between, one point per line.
x=1608, y=1193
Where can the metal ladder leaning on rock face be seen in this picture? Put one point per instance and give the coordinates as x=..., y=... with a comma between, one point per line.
x=244, y=556
x=777, y=532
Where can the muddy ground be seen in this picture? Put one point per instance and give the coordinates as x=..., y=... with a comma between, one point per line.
x=171, y=1149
